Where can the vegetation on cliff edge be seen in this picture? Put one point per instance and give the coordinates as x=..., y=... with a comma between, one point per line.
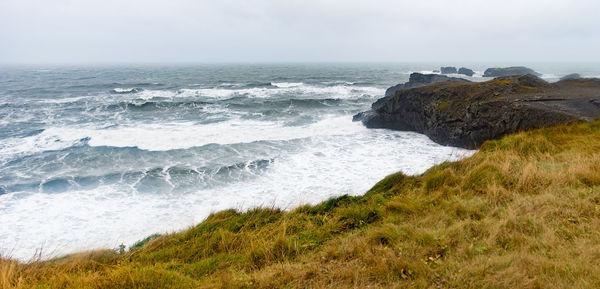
x=523, y=212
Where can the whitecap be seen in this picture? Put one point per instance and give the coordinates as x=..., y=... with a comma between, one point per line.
x=182, y=135
x=286, y=84
x=48, y=140
x=343, y=91
x=125, y=90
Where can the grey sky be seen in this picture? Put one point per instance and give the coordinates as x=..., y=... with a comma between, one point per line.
x=79, y=31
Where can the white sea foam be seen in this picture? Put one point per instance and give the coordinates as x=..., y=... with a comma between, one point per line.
x=421, y=71
x=286, y=84
x=338, y=91
x=124, y=90
x=49, y=140
x=549, y=76
x=339, y=158
x=62, y=100
x=186, y=135
x=168, y=136
x=477, y=74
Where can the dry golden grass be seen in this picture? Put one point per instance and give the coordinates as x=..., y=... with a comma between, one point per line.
x=523, y=212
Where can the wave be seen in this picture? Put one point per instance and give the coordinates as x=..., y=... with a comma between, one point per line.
x=286, y=84
x=187, y=135
x=172, y=136
x=142, y=104
x=175, y=179
x=63, y=100
x=120, y=90
x=299, y=90
x=255, y=85
x=477, y=73
x=50, y=139
x=239, y=103
x=422, y=72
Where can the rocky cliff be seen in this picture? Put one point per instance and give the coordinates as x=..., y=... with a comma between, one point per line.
x=466, y=114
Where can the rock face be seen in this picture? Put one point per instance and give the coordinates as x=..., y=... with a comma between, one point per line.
x=465, y=71
x=514, y=70
x=571, y=76
x=448, y=69
x=418, y=79
x=466, y=114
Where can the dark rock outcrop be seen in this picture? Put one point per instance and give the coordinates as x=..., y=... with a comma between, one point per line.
x=448, y=70
x=507, y=71
x=467, y=114
x=571, y=76
x=418, y=79
x=465, y=71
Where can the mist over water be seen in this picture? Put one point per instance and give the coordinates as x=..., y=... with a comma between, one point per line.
x=95, y=157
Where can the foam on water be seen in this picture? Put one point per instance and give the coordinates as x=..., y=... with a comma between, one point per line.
x=125, y=90
x=337, y=91
x=286, y=84
x=549, y=76
x=169, y=136
x=48, y=140
x=329, y=163
x=62, y=100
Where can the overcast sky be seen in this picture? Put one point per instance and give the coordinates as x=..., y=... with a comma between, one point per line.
x=150, y=31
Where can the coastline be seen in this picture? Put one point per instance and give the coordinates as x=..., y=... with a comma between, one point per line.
x=521, y=205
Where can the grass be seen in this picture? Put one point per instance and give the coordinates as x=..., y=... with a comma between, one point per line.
x=523, y=212
x=443, y=104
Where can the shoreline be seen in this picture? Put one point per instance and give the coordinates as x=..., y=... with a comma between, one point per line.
x=394, y=227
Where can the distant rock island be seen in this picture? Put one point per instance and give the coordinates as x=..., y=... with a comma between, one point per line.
x=506, y=71
x=571, y=76
x=466, y=114
x=465, y=71
x=453, y=70
x=448, y=70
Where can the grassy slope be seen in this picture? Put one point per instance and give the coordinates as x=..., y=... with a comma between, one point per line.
x=524, y=212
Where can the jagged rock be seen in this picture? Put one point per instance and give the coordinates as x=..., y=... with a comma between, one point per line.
x=448, y=70
x=418, y=79
x=466, y=114
x=571, y=76
x=506, y=71
x=465, y=71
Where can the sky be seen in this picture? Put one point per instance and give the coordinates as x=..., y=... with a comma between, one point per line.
x=186, y=31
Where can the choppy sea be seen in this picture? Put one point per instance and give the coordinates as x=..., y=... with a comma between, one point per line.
x=98, y=156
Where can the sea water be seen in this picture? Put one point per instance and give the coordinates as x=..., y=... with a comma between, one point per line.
x=98, y=156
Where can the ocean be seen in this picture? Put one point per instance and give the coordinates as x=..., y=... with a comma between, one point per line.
x=97, y=156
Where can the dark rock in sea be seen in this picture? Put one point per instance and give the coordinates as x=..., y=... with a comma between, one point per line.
x=506, y=71
x=466, y=114
x=418, y=79
x=448, y=70
x=465, y=71
x=571, y=76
